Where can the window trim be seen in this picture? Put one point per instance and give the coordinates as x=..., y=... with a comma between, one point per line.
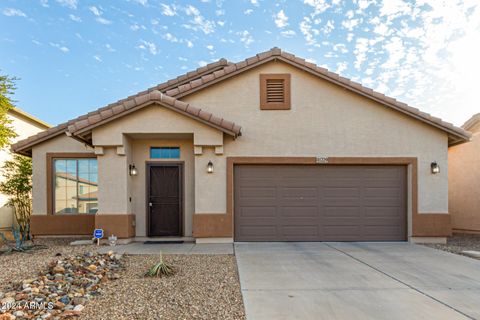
x=50, y=181
x=264, y=105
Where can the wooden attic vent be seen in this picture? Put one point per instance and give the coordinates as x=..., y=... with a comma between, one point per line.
x=275, y=91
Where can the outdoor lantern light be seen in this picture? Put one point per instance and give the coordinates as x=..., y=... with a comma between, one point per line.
x=435, y=167
x=132, y=170
x=210, y=167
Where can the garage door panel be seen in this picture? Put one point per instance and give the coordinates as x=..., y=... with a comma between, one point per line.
x=295, y=192
x=341, y=202
x=341, y=192
x=382, y=202
x=257, y=212
x=258, y=192
x=258, y=231
x=299, y=212
x=342, y=231
x=382, y=192
x=342, y=221
x=382, y=211
x=383, y=231
x=319, y=203
x=344, y=211
x=296, y=230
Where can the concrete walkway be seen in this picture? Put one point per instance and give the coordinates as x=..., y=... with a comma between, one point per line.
x=174, y=248
x=356, y=281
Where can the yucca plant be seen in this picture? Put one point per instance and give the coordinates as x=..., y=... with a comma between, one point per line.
x=162, y=268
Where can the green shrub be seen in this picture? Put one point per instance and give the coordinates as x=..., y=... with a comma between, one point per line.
x=162, y=268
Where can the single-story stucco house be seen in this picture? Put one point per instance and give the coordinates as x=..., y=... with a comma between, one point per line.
x=464, y=181
x=272, y=148
x=24, y=125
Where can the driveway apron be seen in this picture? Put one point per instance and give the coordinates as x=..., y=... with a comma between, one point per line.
x=307, y=280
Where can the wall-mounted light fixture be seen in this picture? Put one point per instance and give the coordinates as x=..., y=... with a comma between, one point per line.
x=435, y=168
x=132, y=170
x=210, y=167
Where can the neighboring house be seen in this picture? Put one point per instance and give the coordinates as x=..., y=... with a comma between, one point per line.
x=271, y=148
x=464, y=181
x=24, y=126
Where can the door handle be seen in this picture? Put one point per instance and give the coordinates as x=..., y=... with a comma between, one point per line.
x=150, y=204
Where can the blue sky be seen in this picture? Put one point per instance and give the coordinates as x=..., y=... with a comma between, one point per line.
x=73, y=56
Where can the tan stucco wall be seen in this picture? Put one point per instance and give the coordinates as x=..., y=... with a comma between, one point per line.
x=24, y=128
x=155, y=119
x=141, y=155
x=325, y=120
x=60, y=144
x=464, y=181
x=113, y=183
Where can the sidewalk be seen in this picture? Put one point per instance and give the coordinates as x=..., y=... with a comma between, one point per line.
x=174, y=248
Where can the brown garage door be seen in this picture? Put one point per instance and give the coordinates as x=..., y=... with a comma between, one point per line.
x=320, y=203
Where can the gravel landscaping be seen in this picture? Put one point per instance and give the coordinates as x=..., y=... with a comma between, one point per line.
x=458, y=243
x=204, y=287
x=19, y=266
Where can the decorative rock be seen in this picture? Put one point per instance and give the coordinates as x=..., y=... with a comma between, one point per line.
x=21, y=296
x=7, y=300
x=114, y=276
x=18, y=313
x=92, y=267
x=68, y=284
x=78, y=308
x=79, y=301
x=58, y=269
x=64, y=300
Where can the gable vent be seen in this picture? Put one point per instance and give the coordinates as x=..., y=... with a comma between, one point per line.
x=275, y=91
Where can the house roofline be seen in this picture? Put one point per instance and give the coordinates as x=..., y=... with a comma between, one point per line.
x=30, y=117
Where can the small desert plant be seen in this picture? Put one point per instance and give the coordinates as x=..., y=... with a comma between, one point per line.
x=162, y=268
x=20, y=245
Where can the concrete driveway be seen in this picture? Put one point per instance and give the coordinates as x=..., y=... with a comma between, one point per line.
x=356, y=281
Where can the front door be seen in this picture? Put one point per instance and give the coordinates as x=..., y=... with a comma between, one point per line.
x=164, y=200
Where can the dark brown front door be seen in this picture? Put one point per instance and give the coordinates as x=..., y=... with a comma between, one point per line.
x=164, y=201
x=320, y=203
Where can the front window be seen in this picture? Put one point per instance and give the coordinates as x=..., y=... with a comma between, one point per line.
x=76, y=185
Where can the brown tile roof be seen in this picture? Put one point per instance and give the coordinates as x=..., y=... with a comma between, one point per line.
x=96, y=118
x=118, y=109
x=456, y=135
x=222, y=70
x=24, y=146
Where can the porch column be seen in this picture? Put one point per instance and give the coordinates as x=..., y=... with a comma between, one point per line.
x=114, y=214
